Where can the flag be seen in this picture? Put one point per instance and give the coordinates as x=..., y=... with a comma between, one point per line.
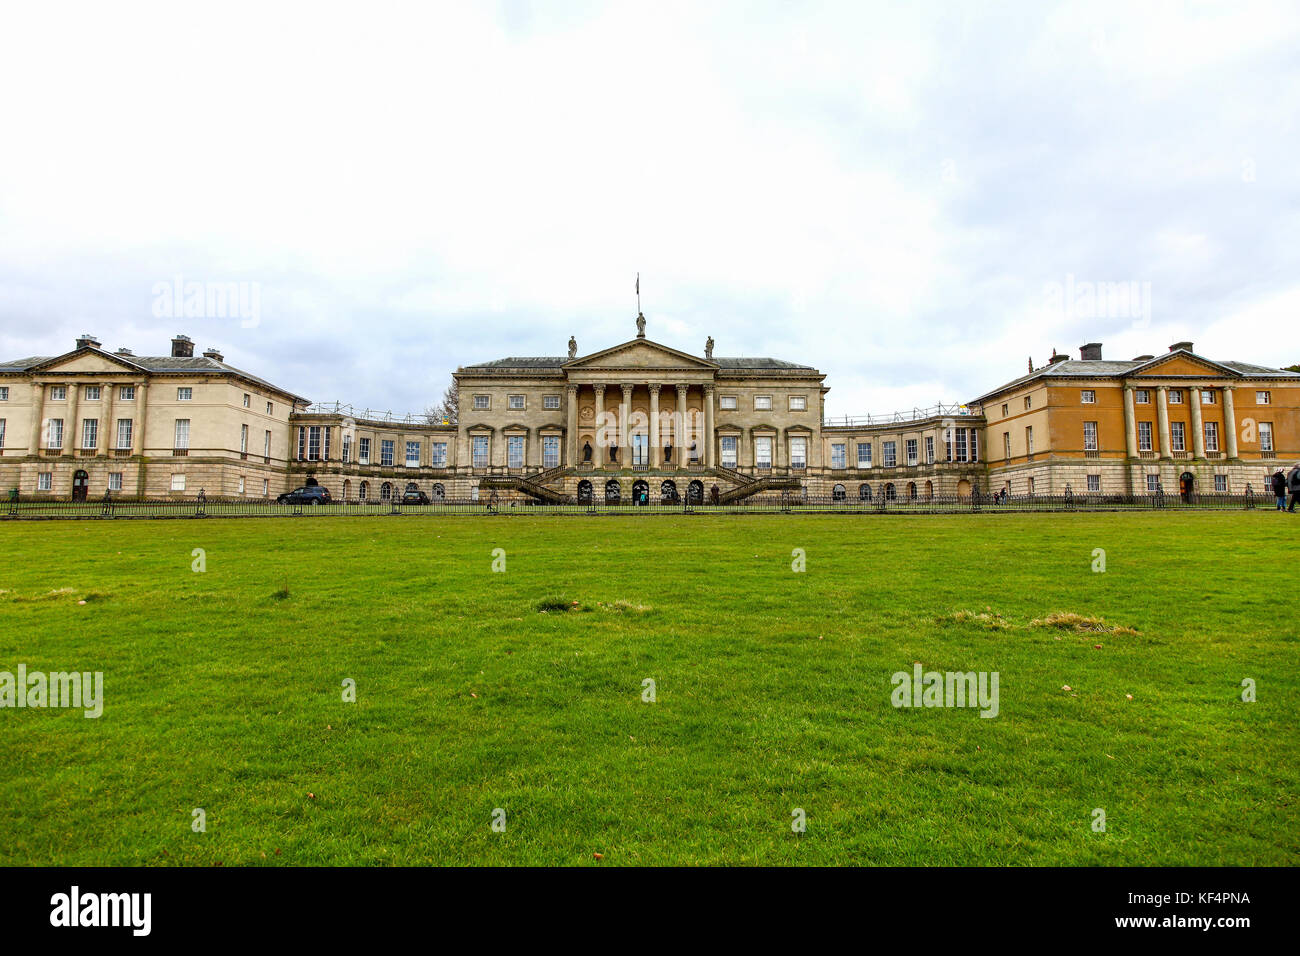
x=638, y=283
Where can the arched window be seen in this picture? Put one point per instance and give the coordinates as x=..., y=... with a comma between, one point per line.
x=584, y=491
x=347, y=488
x=438, y=492
x=613, y=492
x=864, y=492
x=911, y=491
x=695, y=492
x=412, y=486
x=929, y=490
x=890, y=493
x=668, y=492
x=838, y=493
x=386, y=491
x=364, y=491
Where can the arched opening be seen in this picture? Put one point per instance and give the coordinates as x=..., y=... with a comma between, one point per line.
x=963, y=488
x=438, y=491
x=890, y=493
x=864, y=492
x=929, y=490
x=80, y=485
x=386, y=491
x=364, y=491
x=311, y=482
x=347, y=488
x=695, y=492
x=838, y=493
x=668, y=493
x=911, y=491
x=412, y=486
x=584, y=492
x=1186, y=485
x=640, y=492
x=613, y=492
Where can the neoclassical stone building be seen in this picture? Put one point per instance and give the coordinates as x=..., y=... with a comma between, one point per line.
x=640, y=421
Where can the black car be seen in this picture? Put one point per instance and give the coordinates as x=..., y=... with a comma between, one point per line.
x=415, y=498
x=307, y=495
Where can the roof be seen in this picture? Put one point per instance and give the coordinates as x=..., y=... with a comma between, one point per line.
x=158, y=365
x=555, y=362
x=1103, y=368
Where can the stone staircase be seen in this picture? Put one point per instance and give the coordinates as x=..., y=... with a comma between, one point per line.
x=535, y=486
x=746, y=485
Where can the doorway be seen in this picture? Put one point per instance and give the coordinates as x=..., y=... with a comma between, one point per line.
x=80, y=485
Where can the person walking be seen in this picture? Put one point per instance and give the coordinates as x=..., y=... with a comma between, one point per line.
x=1293, y=485
x=1278, y=484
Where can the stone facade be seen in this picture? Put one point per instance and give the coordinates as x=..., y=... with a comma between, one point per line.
x=641, y=418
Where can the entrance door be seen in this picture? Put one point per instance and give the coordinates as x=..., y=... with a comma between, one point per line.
x=80, y=484
x=1186, y=485
x=641, y=492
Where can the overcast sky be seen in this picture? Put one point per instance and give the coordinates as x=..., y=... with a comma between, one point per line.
x=897, y=194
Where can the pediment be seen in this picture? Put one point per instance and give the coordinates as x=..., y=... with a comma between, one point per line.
x=640, y=353
x=1183, y=363
x=87, y=360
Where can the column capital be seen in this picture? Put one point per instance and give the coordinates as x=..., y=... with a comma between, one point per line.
x=599, y=388
x=627, y=389
x=654, y=388
x=709, y=387
x=571, y=389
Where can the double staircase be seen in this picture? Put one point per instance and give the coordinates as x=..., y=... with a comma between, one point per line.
x=535, y=486
x=746, y=485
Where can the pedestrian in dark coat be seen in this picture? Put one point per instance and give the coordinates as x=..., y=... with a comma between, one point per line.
x=1278, y=484
x=1293, y=485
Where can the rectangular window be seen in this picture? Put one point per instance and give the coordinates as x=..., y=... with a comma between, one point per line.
x=182, y=433
x=911, y=446
x=55, y=437
x=126, y=393
x=386, y=453
x=1209, y=397
x=1094, y=482
x=551, y=402
x=1263, y=398
x=266, y=487
x=763, y=452
x=762, y=403
x=266, y=446
x=929, y=449
x=313, y=443
x=890, y=454
x=514, y=451
x=1088, y=396
x=1004, y=410
x=1265, y=436
x=1221, y=483
x=2, y=433
x=184, y=394
x=728, y=451
x=270, y=407
x=347, y=449
x=90, y=433
x=1211, y=436
x=864, y=454
x=58, y=393
x=1006, y=445
x=241, y=484
x=248, y=400
x=727, y=403
x=45, y=481
x=124, y=427
x=363, y=451
x=1153, y=483
x=480, y=446
x=798, y=403
x=4, y=393
x=1144, y=436
x=1089, y=436
x=114, y=481
x=1029, y=402
x=799, y=453
x=516, y=403
x=243, y=439
x=412, y=454
x=1175, y=396
x=92, y=393
x=837, y=455
x=482, y=402
x=438, y=454
x=961, y=444
x=178, y=482
x=550, y=451
x=1177, y=436
x=1142, y=396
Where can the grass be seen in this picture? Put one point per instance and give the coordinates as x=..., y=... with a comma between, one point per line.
x=523, y=690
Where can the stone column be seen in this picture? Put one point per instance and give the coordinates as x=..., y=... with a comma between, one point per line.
x=654, y=425
x=683, y=429
x=1198, y=431
x=1229, y=424
x=571, y=453
x=107, y=433
x=1130, y=424
x=1162, y=416
x=625, y=432
x=708, y=426
x=70, y=423
x=38, y=416
x=598, y=446
x=137, y=425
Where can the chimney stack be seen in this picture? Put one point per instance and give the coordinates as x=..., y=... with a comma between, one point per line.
x=1090, y=352
x=182, y=347
x=87, y=339
x=124, y=351
x=214, y=355
x=1058, y=358
x=1185, y=346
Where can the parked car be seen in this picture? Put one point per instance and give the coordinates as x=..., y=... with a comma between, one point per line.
x=306, y=495
x=415, y=498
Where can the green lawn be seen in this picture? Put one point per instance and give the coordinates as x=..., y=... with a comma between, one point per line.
x=223, y=690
